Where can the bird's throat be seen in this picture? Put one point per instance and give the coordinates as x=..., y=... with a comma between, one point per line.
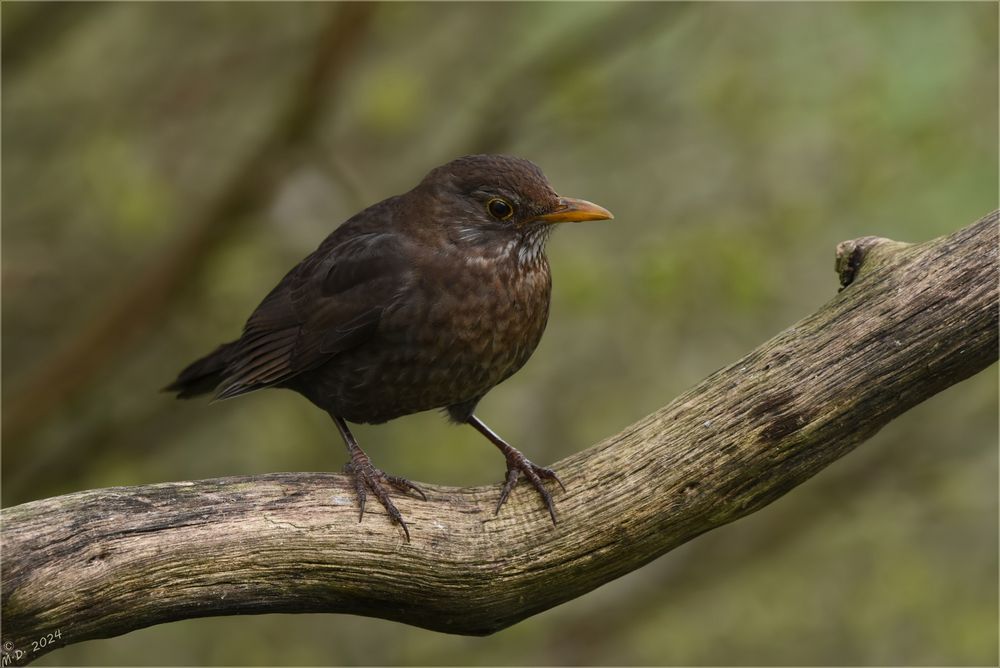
x=531, y=246
x=524, y=250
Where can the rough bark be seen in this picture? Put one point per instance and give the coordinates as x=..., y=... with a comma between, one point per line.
x=910, y=321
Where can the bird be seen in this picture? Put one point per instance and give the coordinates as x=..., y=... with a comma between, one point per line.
x=425, y=300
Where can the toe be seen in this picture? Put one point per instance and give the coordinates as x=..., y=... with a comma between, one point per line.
x=404, y=485
x=510, y=483
x=549, y=474
x=535, y=475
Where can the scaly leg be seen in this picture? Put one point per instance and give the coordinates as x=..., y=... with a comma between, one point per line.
x=516, y=465
x=366, y=475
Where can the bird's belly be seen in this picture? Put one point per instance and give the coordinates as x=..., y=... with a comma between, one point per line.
x=437, y=352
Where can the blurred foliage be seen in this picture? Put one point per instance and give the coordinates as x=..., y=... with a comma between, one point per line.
x=736, y=144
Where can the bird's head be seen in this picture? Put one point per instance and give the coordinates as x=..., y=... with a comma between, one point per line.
x=501, y=203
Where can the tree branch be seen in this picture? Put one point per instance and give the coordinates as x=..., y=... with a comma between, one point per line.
x=911, y=321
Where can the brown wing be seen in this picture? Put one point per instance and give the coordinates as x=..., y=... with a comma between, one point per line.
x=331, y=302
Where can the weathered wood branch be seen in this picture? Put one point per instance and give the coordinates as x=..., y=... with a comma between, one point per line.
x=912, y=320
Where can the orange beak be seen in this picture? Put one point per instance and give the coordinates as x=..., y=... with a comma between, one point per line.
x=572, y=210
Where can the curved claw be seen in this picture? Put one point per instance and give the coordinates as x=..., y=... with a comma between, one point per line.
x=518, y=464
x=403, y=485
x=510, y=483
x=549, y=474
x=366, y=475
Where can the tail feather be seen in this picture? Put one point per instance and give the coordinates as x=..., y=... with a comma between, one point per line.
x=203, y=375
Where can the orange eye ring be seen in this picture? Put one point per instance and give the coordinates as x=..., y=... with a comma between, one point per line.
x=500, y=209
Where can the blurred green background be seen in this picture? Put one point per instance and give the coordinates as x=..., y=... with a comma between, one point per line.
x=165, y=164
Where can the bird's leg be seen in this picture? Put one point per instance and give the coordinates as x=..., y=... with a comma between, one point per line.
x=516, y=465
x=366, y=475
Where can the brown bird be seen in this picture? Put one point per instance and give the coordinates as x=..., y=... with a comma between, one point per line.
x=424, y=300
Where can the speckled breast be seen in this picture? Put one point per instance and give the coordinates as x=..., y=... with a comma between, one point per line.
x=452, y=338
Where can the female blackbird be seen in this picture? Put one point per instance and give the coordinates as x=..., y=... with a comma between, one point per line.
x=425, y=300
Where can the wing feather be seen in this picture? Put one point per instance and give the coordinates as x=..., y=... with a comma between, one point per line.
x=331, y=302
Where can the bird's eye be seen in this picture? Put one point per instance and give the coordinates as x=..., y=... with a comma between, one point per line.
x=499, y=209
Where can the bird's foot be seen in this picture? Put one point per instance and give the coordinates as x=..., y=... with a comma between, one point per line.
x=518, y=464
x=367, y=476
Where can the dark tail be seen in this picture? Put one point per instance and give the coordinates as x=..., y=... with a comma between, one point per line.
x=202, y=376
